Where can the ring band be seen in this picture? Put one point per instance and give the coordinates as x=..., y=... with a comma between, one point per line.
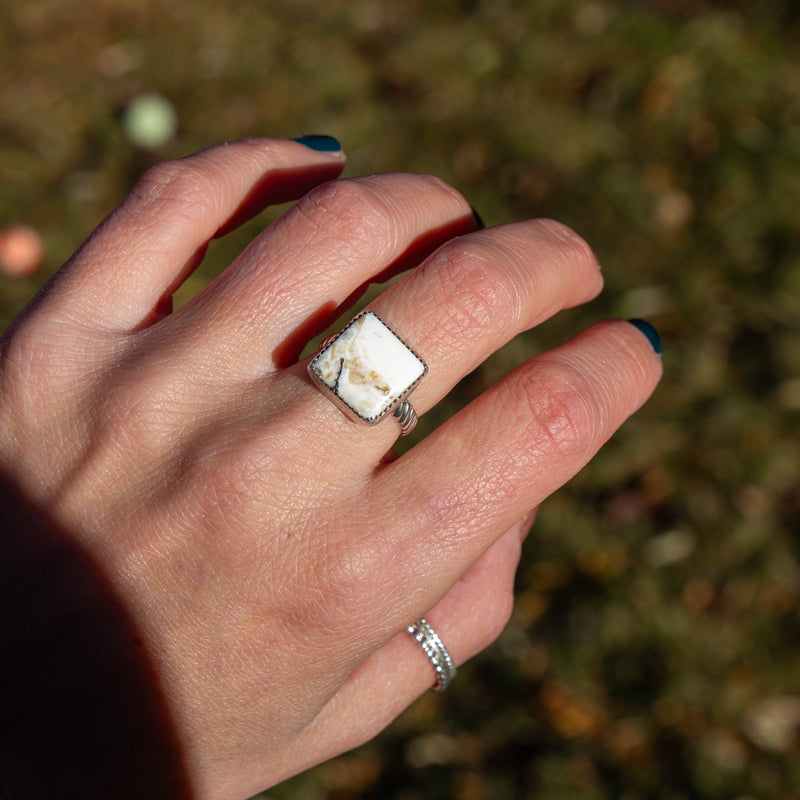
x=406, y=417
x=434, y=648
x=368, y=371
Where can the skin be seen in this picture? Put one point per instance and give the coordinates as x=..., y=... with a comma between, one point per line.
x=239, y=559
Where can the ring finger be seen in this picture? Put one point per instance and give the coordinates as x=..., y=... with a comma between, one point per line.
x=467, y=300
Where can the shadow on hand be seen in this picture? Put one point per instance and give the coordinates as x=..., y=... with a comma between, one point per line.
x=81, y=711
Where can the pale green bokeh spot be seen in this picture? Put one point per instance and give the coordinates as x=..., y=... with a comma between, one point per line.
x=150, y=121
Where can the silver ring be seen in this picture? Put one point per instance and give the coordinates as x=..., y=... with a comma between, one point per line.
x=368, y=371
x=406, y=416
x=434, y=648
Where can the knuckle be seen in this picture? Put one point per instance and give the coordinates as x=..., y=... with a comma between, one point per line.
x=569, y=246
x=472, y=293
x=558, y=418
x=181, y=184
x=334, y=587
x=433, y=183
x=140, y=416
x=347, y=211
x=367, y=216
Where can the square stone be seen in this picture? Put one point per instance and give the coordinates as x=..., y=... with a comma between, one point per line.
x=367, y=369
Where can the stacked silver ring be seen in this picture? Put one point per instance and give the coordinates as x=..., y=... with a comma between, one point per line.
x=437, y=653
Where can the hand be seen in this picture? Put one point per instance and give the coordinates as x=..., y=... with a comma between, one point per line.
x=225, y=564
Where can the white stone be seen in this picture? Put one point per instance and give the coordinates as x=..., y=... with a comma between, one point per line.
x=367, y=367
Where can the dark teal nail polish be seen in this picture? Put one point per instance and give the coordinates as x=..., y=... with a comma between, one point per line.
x=650, y=332
x=478, y=220
x=322, y=144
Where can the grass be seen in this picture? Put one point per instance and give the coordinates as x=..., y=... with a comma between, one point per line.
x=657, y=618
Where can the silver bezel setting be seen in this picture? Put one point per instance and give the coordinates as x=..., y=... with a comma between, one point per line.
x=394, y=400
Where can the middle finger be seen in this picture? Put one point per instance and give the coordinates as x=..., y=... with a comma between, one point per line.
x=288, y=284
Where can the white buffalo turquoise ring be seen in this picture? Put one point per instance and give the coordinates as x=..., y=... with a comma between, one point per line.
x=368, y=371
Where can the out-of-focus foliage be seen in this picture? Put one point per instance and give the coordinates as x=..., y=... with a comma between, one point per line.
x=653, y=651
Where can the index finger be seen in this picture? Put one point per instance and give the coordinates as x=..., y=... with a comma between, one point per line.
x=150, y=243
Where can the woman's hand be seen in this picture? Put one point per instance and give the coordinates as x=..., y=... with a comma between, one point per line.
x=181, y=503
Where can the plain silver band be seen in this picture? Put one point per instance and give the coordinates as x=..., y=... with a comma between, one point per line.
x=434, y=648
x=406, y=416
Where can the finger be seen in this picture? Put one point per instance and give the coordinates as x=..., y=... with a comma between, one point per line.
x=476, y=294
x=466, y=301
x=146, y=247
x=292, y=280
x=468, y=619
x=449, y=496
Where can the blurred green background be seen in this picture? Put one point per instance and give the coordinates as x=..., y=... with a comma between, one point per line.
x=653, y=651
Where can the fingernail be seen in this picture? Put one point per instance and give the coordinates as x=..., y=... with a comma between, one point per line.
x=322, y=144
x=650, y=332
x=478, y=220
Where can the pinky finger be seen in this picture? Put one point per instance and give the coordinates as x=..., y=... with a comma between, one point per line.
x=468, y=619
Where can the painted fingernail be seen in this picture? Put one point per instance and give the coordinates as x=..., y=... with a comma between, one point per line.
x=322, y=144
x=478, y=220
x=650, y=332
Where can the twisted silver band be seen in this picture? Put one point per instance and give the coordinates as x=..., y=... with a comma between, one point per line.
x=406, y=416
x=434, y=648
